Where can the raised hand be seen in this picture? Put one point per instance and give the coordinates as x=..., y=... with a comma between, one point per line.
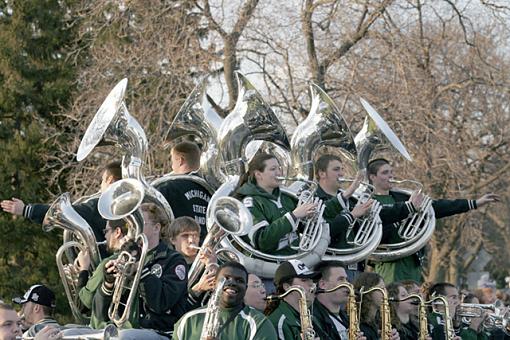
x=14, y=206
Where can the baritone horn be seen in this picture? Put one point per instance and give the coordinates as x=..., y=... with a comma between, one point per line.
x=225, y=215
x=62, y=214
x=122, y=200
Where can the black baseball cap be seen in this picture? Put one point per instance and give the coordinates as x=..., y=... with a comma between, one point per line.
x=39, y=294
x=294, y=268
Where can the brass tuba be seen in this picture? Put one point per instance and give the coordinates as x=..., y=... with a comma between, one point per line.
x=417, y=230
x=252, y=119
x=113, y=125
x=62, y=214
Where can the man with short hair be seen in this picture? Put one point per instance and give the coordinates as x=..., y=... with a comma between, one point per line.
x=380, y=174
x=187, y=193
x=162, y=294
x=184, y=235
x=286, y=316
x=327, y=311
x=115, y=234
x=87, y=209
x=37, y=309
x=10, y=326
x=10, y=323
x=236, y=320
x=436, y=318
x=328, y=171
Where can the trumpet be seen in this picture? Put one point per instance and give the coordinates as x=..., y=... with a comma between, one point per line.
x=475, y=310
x=352, y=308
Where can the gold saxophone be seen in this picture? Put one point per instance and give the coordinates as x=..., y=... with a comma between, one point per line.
x=211, y=321
x=449, y=332
x=384, y=311
x=422, y=314
x=352, y=308
x=307, y=331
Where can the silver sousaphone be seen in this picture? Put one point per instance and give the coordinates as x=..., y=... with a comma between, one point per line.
x=325, y=126
x=197, y=118
x=113, y=125
x=415, y=231
x=252, y=119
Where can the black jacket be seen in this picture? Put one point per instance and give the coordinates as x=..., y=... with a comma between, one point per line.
x=324, y=324
x=162, y=291
x=187, y=198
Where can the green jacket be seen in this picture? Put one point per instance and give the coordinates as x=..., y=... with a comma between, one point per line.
x=286, y=321
x=274, y=229
x=249, y=324
x=409, y=268
x=87, y=294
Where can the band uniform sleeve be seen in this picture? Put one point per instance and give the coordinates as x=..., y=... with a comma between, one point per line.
x=337, y=217
x=444, y=208
x=268, y=227
x=160, y=294
x=395, y=213
x=35, y=212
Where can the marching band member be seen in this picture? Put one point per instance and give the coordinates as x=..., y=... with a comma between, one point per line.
x=285, y=313
x=88, y=209
x=184, y=235
x=327, y=312
x=115, y=233
x=162, y=287
x=255, y=293
x=234, y=319
x=370, y=306
x=436, y=318
x=275, y=214
x=402, y=312
x=344, y=211
x=186, y=197
x=380, y=174
x=475, y=329
x=37, y=309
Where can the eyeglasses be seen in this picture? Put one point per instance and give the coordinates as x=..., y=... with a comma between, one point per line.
x=257, y=285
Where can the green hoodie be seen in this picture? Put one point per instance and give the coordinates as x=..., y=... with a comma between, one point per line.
x=274, y=228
